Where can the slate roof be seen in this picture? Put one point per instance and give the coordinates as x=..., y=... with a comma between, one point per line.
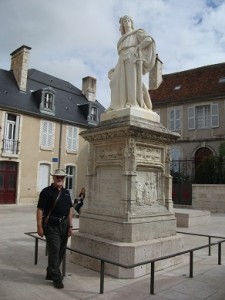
x=195, y=84
x=68, y=98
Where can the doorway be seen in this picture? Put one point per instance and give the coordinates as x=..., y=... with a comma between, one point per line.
x=8, y=180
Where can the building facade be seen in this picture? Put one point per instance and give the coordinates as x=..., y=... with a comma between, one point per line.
x=41, y=117
x=191, y=103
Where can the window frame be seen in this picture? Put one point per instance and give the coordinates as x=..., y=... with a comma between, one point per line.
x=174, y=119
x=93, y=118
x=11, y=134
x=70, y=182
x=213, y=116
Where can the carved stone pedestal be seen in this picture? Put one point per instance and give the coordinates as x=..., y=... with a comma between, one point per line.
x=128, y=213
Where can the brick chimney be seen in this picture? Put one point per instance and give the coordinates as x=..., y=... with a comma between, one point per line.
x=89, y=88
x=155, y=75
x=19, y=66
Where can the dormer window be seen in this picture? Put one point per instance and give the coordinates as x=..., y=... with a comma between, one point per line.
x=90, y=112
x=177, y=87
x=93, y=116
x=47, y=105
x=222, y=80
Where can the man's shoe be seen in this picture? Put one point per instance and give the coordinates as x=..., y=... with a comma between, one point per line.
x=58, y=284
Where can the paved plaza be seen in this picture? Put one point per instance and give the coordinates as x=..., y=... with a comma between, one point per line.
x=20, y=279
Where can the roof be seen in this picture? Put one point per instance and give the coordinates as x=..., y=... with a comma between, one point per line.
x=202, y=82
x=68, y=98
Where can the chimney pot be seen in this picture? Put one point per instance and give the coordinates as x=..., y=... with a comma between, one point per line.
x=19, y=66
x=155, y=75
x=89, y=88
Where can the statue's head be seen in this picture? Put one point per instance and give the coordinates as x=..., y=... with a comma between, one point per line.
x=122, y=19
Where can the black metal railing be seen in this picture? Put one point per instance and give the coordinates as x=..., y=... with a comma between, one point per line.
x=10, y=146
x=182, y=171
x=151, y=261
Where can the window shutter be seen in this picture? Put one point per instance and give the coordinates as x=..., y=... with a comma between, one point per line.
x=191, y=117
x=172, y=120
x=44, y=134
x=50, y=134
x=214, y=115
x=47, y=135
x=72, y=138
x=177, y=119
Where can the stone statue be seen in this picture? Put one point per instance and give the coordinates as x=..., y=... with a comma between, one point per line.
x=137, y=56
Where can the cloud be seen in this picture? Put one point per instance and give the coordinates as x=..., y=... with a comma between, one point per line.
x=73, y=39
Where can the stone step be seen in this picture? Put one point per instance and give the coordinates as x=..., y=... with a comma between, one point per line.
x=191, y=217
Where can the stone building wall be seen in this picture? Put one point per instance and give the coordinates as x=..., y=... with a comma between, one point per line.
x=209, y=197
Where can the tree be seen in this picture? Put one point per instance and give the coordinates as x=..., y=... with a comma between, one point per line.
x=211, y=170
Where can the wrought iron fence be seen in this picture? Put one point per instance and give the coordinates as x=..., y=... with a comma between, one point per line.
x=151, y=261
x=10, y=146
x=183, y=171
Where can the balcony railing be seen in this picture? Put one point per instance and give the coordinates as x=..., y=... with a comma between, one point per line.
x=10, y=146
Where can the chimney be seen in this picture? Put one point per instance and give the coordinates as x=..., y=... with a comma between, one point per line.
x=19, y=66
x=155, y=75
x=89, y=88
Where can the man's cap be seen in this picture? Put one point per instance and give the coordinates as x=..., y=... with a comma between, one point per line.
x=59, y=172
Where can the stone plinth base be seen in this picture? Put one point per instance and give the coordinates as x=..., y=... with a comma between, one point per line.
x=138, y=112
x=143, y=226
x=191, y=217
x=125, y=253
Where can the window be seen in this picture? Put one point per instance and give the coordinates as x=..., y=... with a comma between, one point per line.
x=47, y=134
x=47, y=105
x=70, y=180
x=175, y=155
x=11, y=134
x=204, y=116
x=72, y=139
x=174, y=119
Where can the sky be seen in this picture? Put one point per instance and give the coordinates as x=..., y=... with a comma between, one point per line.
x=72, y=39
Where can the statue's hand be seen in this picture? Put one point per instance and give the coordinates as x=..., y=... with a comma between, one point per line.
x=138, y=53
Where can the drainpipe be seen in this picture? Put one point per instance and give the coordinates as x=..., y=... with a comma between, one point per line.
x=60, y=145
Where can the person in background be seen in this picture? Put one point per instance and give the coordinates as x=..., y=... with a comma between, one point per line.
x=80, y=200
x=59, y=225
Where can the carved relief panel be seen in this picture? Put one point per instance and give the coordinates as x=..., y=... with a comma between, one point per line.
x=148, y=188
x=111, y=152
x=148, y=154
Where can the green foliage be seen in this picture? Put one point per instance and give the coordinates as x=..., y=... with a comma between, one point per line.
x=205, y=172
x=212, y=169
x=222, y=149
x=179, y=177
